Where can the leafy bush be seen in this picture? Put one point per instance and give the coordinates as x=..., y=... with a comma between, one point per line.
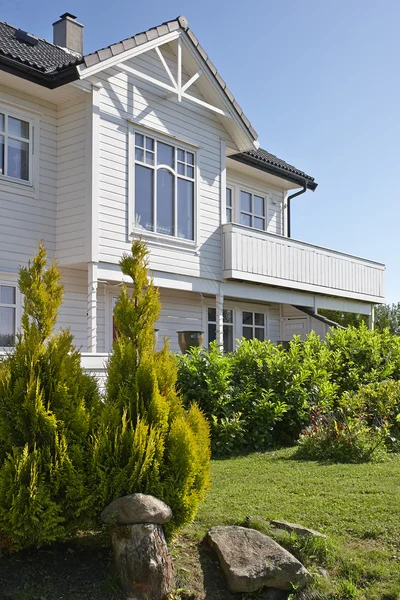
x=47, y=412
x=147, y=442
x=358, y=428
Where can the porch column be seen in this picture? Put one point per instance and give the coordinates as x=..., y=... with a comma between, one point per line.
x=219, y=305
x=92, y=307
x=371, y=318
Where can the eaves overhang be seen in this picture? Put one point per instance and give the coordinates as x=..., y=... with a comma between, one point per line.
x=49, y=80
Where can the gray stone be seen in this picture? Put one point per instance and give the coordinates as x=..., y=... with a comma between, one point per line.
x=298, y=529
x=142, y=561
x=136, y=508
x=251, y=560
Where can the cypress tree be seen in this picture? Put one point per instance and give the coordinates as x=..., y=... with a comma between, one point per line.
x=47, y=409
x=147, y=441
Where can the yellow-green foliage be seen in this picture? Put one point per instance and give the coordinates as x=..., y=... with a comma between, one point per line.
x=47, y=408
x=147, y=442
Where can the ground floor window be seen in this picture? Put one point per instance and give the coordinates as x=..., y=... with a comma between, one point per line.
x=8, y=315
x=253, y=325
x=228, y=327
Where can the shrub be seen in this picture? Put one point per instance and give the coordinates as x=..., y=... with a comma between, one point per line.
x=358, y=429
x=47, y=411
x=147, y=442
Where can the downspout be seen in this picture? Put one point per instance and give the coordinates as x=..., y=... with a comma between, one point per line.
x=288, y=206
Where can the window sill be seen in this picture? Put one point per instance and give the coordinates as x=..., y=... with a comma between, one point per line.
x=18, y=187
x=163, y=241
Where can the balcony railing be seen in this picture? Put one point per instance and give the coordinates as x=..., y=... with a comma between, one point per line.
x=261, y=257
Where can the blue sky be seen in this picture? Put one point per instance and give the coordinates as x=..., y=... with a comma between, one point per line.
x=318, y=79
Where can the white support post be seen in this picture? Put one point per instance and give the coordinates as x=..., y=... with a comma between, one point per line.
x=219, y=304
x=92, y=307
x=179, y=69
x=371, y=319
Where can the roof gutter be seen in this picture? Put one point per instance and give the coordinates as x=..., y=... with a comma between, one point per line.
x=273, y=170
x=49, y=80
x=289, y=198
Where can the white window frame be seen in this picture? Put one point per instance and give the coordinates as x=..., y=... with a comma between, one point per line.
x=161, y=239
x=253, y=325
x=237, y=185
x=12, y=281
x=32, y=119
x=231, y=207
x=238, y=309
x=208, y=322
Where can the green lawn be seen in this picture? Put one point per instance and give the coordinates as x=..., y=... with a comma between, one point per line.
x=357, y=506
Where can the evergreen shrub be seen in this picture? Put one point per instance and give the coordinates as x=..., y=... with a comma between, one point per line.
x=47, y=412
x=147, y=442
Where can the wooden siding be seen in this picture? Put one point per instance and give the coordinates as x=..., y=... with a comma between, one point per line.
x=123, y=98
x=275, y=260
x=73, y=311
x=28, y=214
x=73, y=155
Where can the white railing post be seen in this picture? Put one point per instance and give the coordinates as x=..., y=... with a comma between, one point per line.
x=371, y=318
x=219, y=304
x=92, y=307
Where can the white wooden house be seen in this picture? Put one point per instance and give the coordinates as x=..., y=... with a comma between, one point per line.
x=144, y=138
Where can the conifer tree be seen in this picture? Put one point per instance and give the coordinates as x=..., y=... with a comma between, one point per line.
x=147, y=441
x=47, y=408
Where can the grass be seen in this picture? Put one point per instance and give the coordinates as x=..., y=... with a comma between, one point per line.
x=357, y=506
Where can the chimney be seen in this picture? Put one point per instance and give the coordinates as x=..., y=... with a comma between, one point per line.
x=68, y=33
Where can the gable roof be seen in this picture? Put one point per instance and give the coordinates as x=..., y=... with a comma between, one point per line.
x=265, y=161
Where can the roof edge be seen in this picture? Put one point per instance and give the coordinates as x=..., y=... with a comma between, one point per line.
x=49, y=80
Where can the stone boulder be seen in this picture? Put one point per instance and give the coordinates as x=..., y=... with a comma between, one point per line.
x=142, y=561
x=297, y=529
x=251, y=560
x=136, y=508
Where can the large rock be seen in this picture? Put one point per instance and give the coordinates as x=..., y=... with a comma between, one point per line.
x=298, y=529
x=137, y=508
x=251, y=560
x=142, y=561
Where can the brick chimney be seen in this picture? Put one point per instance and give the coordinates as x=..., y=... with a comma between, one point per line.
x=68, y=33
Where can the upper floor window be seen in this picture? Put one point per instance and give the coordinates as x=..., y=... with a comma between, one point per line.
x=15, y=147
x=229, y=205
x=164, y=187
x=8, y=315
x=252, y=210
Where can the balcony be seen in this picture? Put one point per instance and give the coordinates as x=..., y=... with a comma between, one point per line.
x=260, y=257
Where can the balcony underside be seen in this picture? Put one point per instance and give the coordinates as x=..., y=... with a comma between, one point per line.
x=269, y=259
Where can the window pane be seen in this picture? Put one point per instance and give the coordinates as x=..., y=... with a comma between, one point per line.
x=259, y=206
x=259, y=223
x=181, y=155
x=1, y=154
x=7, y=294
x=259, y=319
x=190, y=158
x=1, y=122
x=144, y=191
x=150, y=144
x=190, y=172
x=165, y=202
x=259, y=334
x=18, y=159
x=228, y=197
x=212, y=314
x=248, y=333
x=18, y=127
x=185, y=209
x=247, y=318
x=165, y=154
x=229, y=215
x=7, y=326
x=181, y=168
x=149, y=158
x=228, y=338
x=228, y=315
x=139, y=140
x=245, y=220
x=245, y=201
x=212, y=333
x=139, y=154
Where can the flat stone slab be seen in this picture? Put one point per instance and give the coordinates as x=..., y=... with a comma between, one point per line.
x=136, y=508
x=298, y=529
x=251, y=560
